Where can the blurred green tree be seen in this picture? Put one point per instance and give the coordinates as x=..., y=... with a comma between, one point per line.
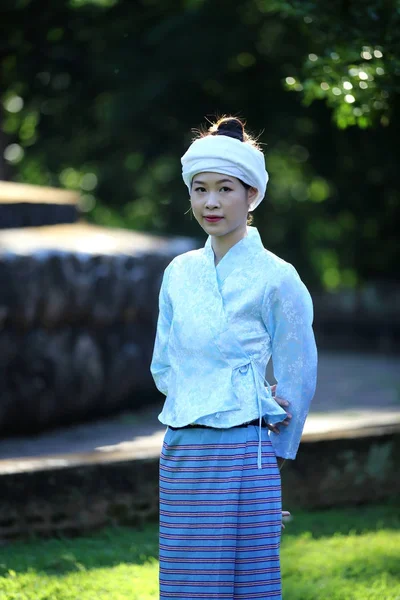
x=100, y=96
x=353, y=60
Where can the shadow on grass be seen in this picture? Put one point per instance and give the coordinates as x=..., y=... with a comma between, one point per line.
x=122, y=545
x=352, y=520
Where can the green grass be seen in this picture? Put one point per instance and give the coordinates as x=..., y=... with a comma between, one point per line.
x=349, y=554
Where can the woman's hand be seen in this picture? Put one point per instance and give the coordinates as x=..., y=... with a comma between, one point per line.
x=284, y=404
x=285, y=514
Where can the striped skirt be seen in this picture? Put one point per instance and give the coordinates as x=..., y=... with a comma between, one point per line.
x=220, y=516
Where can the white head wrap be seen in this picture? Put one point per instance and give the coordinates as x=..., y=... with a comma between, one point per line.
x=228, y=156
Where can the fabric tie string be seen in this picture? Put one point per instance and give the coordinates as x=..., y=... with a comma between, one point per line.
x=264, y=392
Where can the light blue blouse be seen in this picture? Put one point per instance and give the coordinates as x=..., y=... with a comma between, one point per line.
x=218, y=326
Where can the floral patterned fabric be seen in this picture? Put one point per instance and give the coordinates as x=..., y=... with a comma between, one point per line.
x=218, y=327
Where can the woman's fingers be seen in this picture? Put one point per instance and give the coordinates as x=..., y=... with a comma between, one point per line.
x=281, y=401
x=284, y=404
x=287, y=420
x=285, y=515
x=273, y=428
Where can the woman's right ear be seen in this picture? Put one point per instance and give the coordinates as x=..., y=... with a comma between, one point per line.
x=251, y=194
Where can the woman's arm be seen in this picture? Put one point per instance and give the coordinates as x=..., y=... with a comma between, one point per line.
x=288, y=317
x=160, y=367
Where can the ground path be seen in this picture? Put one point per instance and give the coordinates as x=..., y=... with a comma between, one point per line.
x=355, y=393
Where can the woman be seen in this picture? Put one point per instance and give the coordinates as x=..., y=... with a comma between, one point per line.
x=224, y=310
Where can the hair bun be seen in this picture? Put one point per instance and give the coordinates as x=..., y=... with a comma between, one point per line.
x=230, y=126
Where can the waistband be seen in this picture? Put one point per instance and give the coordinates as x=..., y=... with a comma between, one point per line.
x=197, y=425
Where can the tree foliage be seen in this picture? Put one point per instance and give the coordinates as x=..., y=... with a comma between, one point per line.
x=101, y=96
x=353, y=62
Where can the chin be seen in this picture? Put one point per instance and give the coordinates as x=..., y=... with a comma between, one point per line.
x=215, y=232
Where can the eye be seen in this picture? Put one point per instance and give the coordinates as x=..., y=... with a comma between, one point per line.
x=225, y=188
x=200, y=189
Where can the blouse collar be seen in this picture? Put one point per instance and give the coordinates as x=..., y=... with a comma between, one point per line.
x=238, y=255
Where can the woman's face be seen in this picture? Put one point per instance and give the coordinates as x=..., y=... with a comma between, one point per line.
x=214, y=194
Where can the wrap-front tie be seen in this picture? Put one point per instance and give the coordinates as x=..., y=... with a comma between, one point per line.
x=264, y=399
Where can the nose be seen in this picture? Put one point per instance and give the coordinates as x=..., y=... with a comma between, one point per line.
x=212, y=200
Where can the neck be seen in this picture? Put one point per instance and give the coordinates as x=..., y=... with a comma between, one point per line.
x=221, y=244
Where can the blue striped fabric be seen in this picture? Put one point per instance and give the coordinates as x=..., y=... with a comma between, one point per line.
x=220, y=516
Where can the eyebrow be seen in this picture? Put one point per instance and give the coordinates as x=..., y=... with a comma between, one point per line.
x=219, y=181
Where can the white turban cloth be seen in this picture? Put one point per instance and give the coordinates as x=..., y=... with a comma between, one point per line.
x=228, y=156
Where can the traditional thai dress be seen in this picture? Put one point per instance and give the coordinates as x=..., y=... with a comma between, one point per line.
x=220, y=489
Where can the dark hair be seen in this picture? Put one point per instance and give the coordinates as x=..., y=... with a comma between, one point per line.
x=230, y=126
x=234, y=128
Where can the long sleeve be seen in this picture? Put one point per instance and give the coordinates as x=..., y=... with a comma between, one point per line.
x=288, y=317
x=160, y=366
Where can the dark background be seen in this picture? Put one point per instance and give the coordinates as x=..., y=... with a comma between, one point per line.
x=101, y=96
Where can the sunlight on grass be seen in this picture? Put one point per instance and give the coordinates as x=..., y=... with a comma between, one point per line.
x=342, y=567
x=116, y=583
x=348, y=554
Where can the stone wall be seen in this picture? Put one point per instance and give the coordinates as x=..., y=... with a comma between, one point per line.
x=344, y=471
x=24, y=205
x=362, y=319
x=79, y=498
x=78, y=313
